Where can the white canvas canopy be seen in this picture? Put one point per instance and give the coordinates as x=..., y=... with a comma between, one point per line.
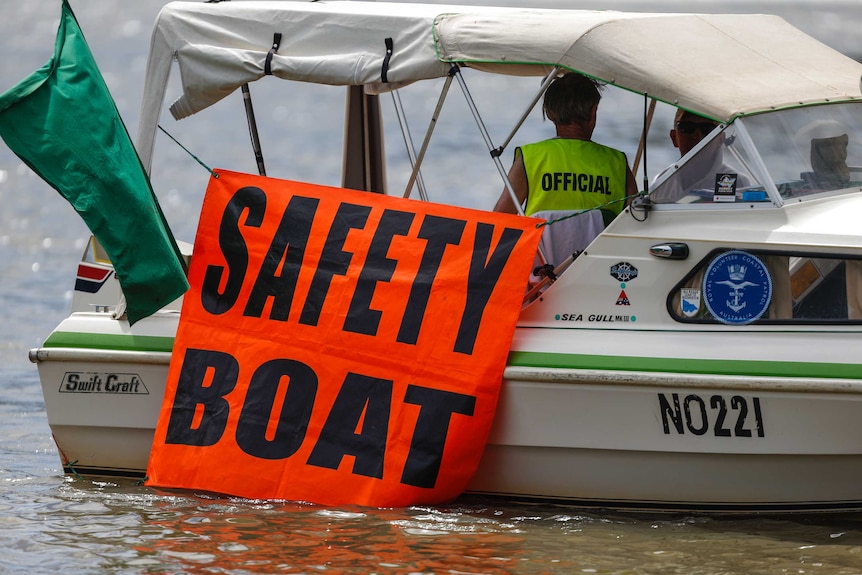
x=721, y=66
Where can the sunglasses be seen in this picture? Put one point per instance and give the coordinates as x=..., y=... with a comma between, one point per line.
x=692, y=127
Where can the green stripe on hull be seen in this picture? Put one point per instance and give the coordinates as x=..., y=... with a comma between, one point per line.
x=677, y=365
x=110, y=341
x=532, y=359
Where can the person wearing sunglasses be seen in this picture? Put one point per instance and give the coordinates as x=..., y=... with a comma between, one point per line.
x=688, y=130
x=700, y=172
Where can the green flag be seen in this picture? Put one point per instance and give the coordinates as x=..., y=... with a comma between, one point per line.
x=62, y=122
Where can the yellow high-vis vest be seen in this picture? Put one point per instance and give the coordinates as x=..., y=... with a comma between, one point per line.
x=566, y=174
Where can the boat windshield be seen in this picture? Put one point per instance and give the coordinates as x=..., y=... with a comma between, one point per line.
x=804, y=151
x=810, y=150
x=718, y=169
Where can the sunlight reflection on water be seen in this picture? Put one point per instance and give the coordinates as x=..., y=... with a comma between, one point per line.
x=121, y=527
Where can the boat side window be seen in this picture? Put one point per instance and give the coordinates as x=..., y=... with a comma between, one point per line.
x=716, y=170
x=738, y=287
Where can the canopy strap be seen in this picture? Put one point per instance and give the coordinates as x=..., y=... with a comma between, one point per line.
x=385, y=68
x=276, y=42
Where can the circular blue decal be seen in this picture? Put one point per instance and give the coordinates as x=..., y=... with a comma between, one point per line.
x=737, y=288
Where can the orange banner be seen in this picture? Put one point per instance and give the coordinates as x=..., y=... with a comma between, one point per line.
x=338, y=347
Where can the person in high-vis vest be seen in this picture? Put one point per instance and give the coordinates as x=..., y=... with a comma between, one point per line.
x=570, y=171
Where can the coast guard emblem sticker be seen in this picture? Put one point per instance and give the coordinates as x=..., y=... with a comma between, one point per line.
x=737, y=288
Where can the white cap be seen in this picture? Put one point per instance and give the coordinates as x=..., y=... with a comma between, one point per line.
x=820, y=129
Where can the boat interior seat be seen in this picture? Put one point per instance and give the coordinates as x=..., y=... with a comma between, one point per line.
x=568, y=236
x=825, y=181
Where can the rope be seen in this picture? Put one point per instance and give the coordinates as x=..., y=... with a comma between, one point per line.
x=71, y=466
x=207, y=168
x=573, y=214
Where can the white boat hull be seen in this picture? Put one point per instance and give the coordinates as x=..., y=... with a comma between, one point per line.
x=620, y=439
x=608, y=440
x=99, y=427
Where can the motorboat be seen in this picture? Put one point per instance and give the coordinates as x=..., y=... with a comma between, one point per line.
x=699, y=354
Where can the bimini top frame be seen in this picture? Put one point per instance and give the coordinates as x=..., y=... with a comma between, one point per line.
x=682, y=59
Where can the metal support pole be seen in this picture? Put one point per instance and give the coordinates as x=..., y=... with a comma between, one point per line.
x=756, y=165
x=363, y=163
x=414, y=174
x=494, y=156
x=642, y=143
x=408, y=143
x=252, y=130
x=545, y=83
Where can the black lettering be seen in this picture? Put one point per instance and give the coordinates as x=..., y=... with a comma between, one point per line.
x=704, y=421
x=360, y=394
x=439, y=232
x=260, y=399
x=673, y=413
x=738, y=402
x=484, y=273
x=547, y=182
x=333, y=260
x=583, y=183
x=378, y=268
x=233, y=248
x=72, y=382
x=698, y=423
x=717, y=402
x=429, y=438
x=600, y=187
x=193, y=390
x=285, y=255
x=758, y=417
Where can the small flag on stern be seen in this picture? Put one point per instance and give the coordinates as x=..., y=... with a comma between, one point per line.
x=62, y=122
